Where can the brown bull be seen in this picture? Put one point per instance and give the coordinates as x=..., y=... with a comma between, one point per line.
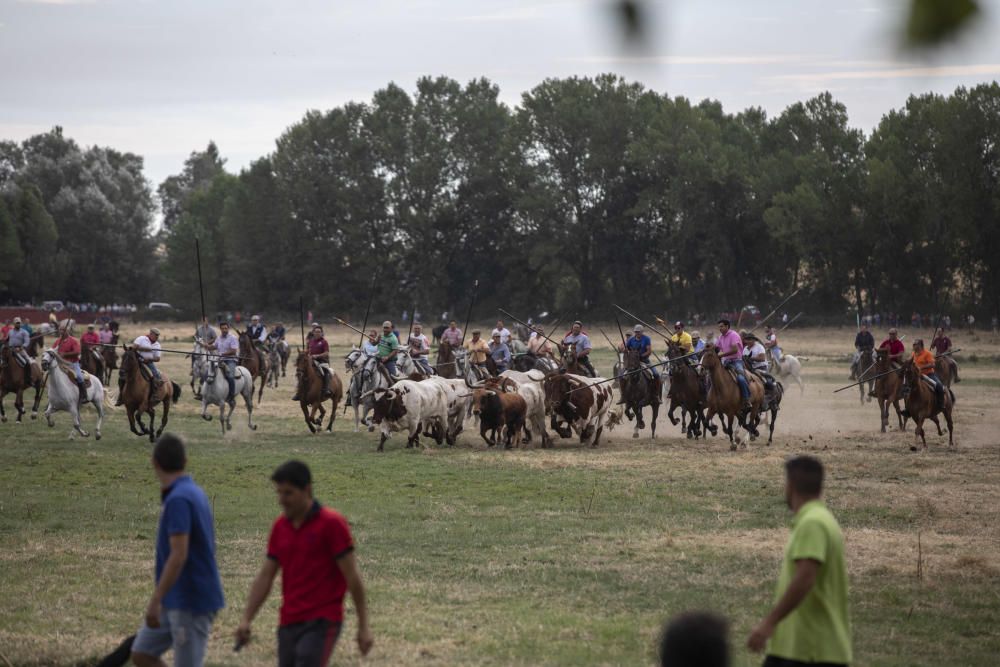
x=499, y=410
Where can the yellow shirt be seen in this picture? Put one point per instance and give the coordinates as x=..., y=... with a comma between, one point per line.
x=478, y=351
x=684, y=340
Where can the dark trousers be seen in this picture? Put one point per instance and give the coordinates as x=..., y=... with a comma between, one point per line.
x=585, y=362
x=772, y=661
x=307, y=644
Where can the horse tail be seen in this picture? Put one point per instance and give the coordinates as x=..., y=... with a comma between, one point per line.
x=177, y=392
x=952, y=395
x=108, y=403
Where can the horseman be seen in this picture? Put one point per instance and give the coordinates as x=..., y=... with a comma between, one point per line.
x=148, y=347
x=257, y=333
x=478, y=349
x=923, y=360
x=68, y=348
x=730, y=347
x=18, y=341
x=863, y=342
x=205, y=332
x=93, y=340
x=370, y=344
x=697, y=344
x=577, y=337
x=319, y=353
x=277, y=333
x=755, y=358
x=538, y=344
x=771, y=343
x=105, y=335
x=503, y=331
x=642, y=344
x=499, y=352
x=419, y=347
x=942, y=344
x=227, y=346
x=682, y=338
x=894, y=346
x=388, y=345
x=452, y=335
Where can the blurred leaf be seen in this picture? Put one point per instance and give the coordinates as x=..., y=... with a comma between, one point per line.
x=934, y=21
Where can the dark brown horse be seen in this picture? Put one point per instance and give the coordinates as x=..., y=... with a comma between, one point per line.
x=92, y=361
x=254, y=361
x=725, y=400
x=887, y=389
x=110, y=354
x=922, y=404
x=866, y=374
x=140, y=396
x=639, y=390
x=686, y=391
x=944, y=370
x=15, y=380
x=570, y=361
x=445, y=364
x=310, y=391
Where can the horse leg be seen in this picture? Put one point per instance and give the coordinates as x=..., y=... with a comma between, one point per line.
x=152, y=424
x=638, y=421
x=655, y=407
x=77, y=425
x=305, y=415
x=38, y=400
x=670, y=413
x=3, y=413
x=951, y=427
x=333, y=415
x=322, y=413
x=770, y=426
x=937, y=423
x=248, y=401
x=98, y=404
x=883, y=413
x=19, y=404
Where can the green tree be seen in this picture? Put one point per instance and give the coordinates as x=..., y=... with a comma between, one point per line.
x=11, y=258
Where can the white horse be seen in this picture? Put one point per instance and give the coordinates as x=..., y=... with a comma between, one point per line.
x=788, y=367
x=365, y=379
x=274, y=363
x=199, y=367
x=65, y=397
x=215, y=390
x=406, y=366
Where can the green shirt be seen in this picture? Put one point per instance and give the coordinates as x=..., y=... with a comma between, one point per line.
x=387, y=344
x=819, y=629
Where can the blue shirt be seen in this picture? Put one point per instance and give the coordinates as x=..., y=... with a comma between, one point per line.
x=185, y=510
x=644, y=345
x=18, y=338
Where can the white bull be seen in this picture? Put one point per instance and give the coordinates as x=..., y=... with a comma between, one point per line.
x=529, y=386
x=411, y=406
x=459, y=404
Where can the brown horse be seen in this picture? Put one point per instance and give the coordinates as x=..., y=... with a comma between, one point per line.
x=15, y=379
x=944, y=370
x=887, y=389
x=141, y=397
x=571, y=363
x=639, y=390
x=922, y=403
x=110, y=354
x=866, y=374
x=686, y=391
x=725, y=400
x=254, y=361
x=310, y=391
x=92, y=361
x=445, y=365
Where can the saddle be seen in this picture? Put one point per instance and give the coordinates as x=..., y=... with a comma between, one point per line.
x=72, y=376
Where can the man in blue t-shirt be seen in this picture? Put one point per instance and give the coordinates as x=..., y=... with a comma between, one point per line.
x=641, y=343
x=188, y=590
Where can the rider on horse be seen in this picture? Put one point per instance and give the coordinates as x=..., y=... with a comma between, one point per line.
x=771, y=343
x=388, y=345
x=503, y=331
x=18, y=341
x=257, y=332
x=923, y=359
x=682, y=338
x=68, y=348
x=755, y=356
x=227, y=346
x=452, y=335
x=863, y=341
x=895, y=347
x=91, y=337
x=942, y=344
x=319, y=353
x=419, y=347
x=642, y=344
x=148, y=347
x=538, y=344
x=583, y=346
x=697, y=344
x=478, y=349
x=105, y=335
x=499, y=352
x=731, y=351
x=278, y=332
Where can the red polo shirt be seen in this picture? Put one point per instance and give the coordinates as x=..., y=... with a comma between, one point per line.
x=318, y=346
x=895, y=346
x=312, y=585
x=68, y=349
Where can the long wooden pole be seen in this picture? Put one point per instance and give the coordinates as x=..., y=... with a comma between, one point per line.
x=777, y=308
x=664, y=335
x=558, y=345
x=790, y=321
x=894, y=370
x=368, y=310
x=468, y=315
x=302, y=322
x=201, y=288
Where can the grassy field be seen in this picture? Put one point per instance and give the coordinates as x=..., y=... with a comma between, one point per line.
x=568, y=556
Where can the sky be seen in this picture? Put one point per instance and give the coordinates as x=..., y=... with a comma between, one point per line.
x=161, y=78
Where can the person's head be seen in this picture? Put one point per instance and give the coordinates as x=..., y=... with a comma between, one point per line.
x=918, y=345
x=577, y=327
x=695, y=639
x=678, y=326
x=539, y=328
x=803, y=480
x=154, y=334
x=417, y=329
x=387, y=327
x=255, y=319
x=317, y=331
x=169, y=457
x=939, y=331
x=723, y=325
x=475, y=334
x=224, y=328
x=637, y=330
x=452, y=324
x=695, y=336
x=496, y=339
x=864, y=326
x=293, y=484
x=893, y=333
x=373, y=335
x=499, y=324
x=17, y=322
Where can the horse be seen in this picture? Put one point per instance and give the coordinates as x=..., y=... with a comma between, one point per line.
x=725, y=400
x=215, y=391
x=788, y=367
x=273, y=363
x=437, y=332
x=686, y=391
x=410, y=369
x=140, y=396
x=570, y=361
x=283, y=352
x=64, y=396
x=866, y=362
x=771, y=410
x=253, y=360
x=943, y=369
x=921, y=403
x=366, y=376
x=92, y=361
x=639, y=390
x=13, y=380
x=446, y=363
x=528, y=361
x=310, y=390
x=110, y=355
x=200, y=363
x=887, y=389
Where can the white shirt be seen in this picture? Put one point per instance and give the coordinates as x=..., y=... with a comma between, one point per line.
x=504, y=334
x=420, y=344
x=751, y=351
x=226, y=343
x=153, y=354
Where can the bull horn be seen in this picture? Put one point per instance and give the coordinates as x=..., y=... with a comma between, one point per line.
x=367, y=393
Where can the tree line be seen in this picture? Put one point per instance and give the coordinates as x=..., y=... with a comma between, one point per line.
x=591, y=191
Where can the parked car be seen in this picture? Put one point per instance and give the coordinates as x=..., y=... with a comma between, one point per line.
x=161, y=306
x=56, y=306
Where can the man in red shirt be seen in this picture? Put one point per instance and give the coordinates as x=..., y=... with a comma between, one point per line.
x=942, y=344
x=68, y=348
x=313, y=547
x=895, y=347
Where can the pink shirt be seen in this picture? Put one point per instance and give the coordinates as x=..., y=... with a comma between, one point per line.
x=724, y=342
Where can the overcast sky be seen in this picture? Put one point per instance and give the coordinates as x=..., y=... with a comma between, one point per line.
x=162, y=78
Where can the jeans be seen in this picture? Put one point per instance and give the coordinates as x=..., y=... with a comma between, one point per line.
x=75, y=365
x=183, y=631
x=390, y=366
x=654, y=371
x=229, y=370
x=153, y=369
x=741, y=378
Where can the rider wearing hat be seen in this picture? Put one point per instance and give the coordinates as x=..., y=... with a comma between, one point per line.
x=697, y=344
x=148, y=347
x=682, y=338
x=478, y=349
x=257, y=332
x=924, y=360
x=641, y=343
x=18, y=341
x=499, y=352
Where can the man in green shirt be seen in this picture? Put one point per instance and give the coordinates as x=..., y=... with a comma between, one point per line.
x=388, y=345
x=809, y=624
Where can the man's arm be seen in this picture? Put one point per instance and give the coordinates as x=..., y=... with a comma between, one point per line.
x=259, y=590
x=348, y=565
x=171, y=571
x=802, y=582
